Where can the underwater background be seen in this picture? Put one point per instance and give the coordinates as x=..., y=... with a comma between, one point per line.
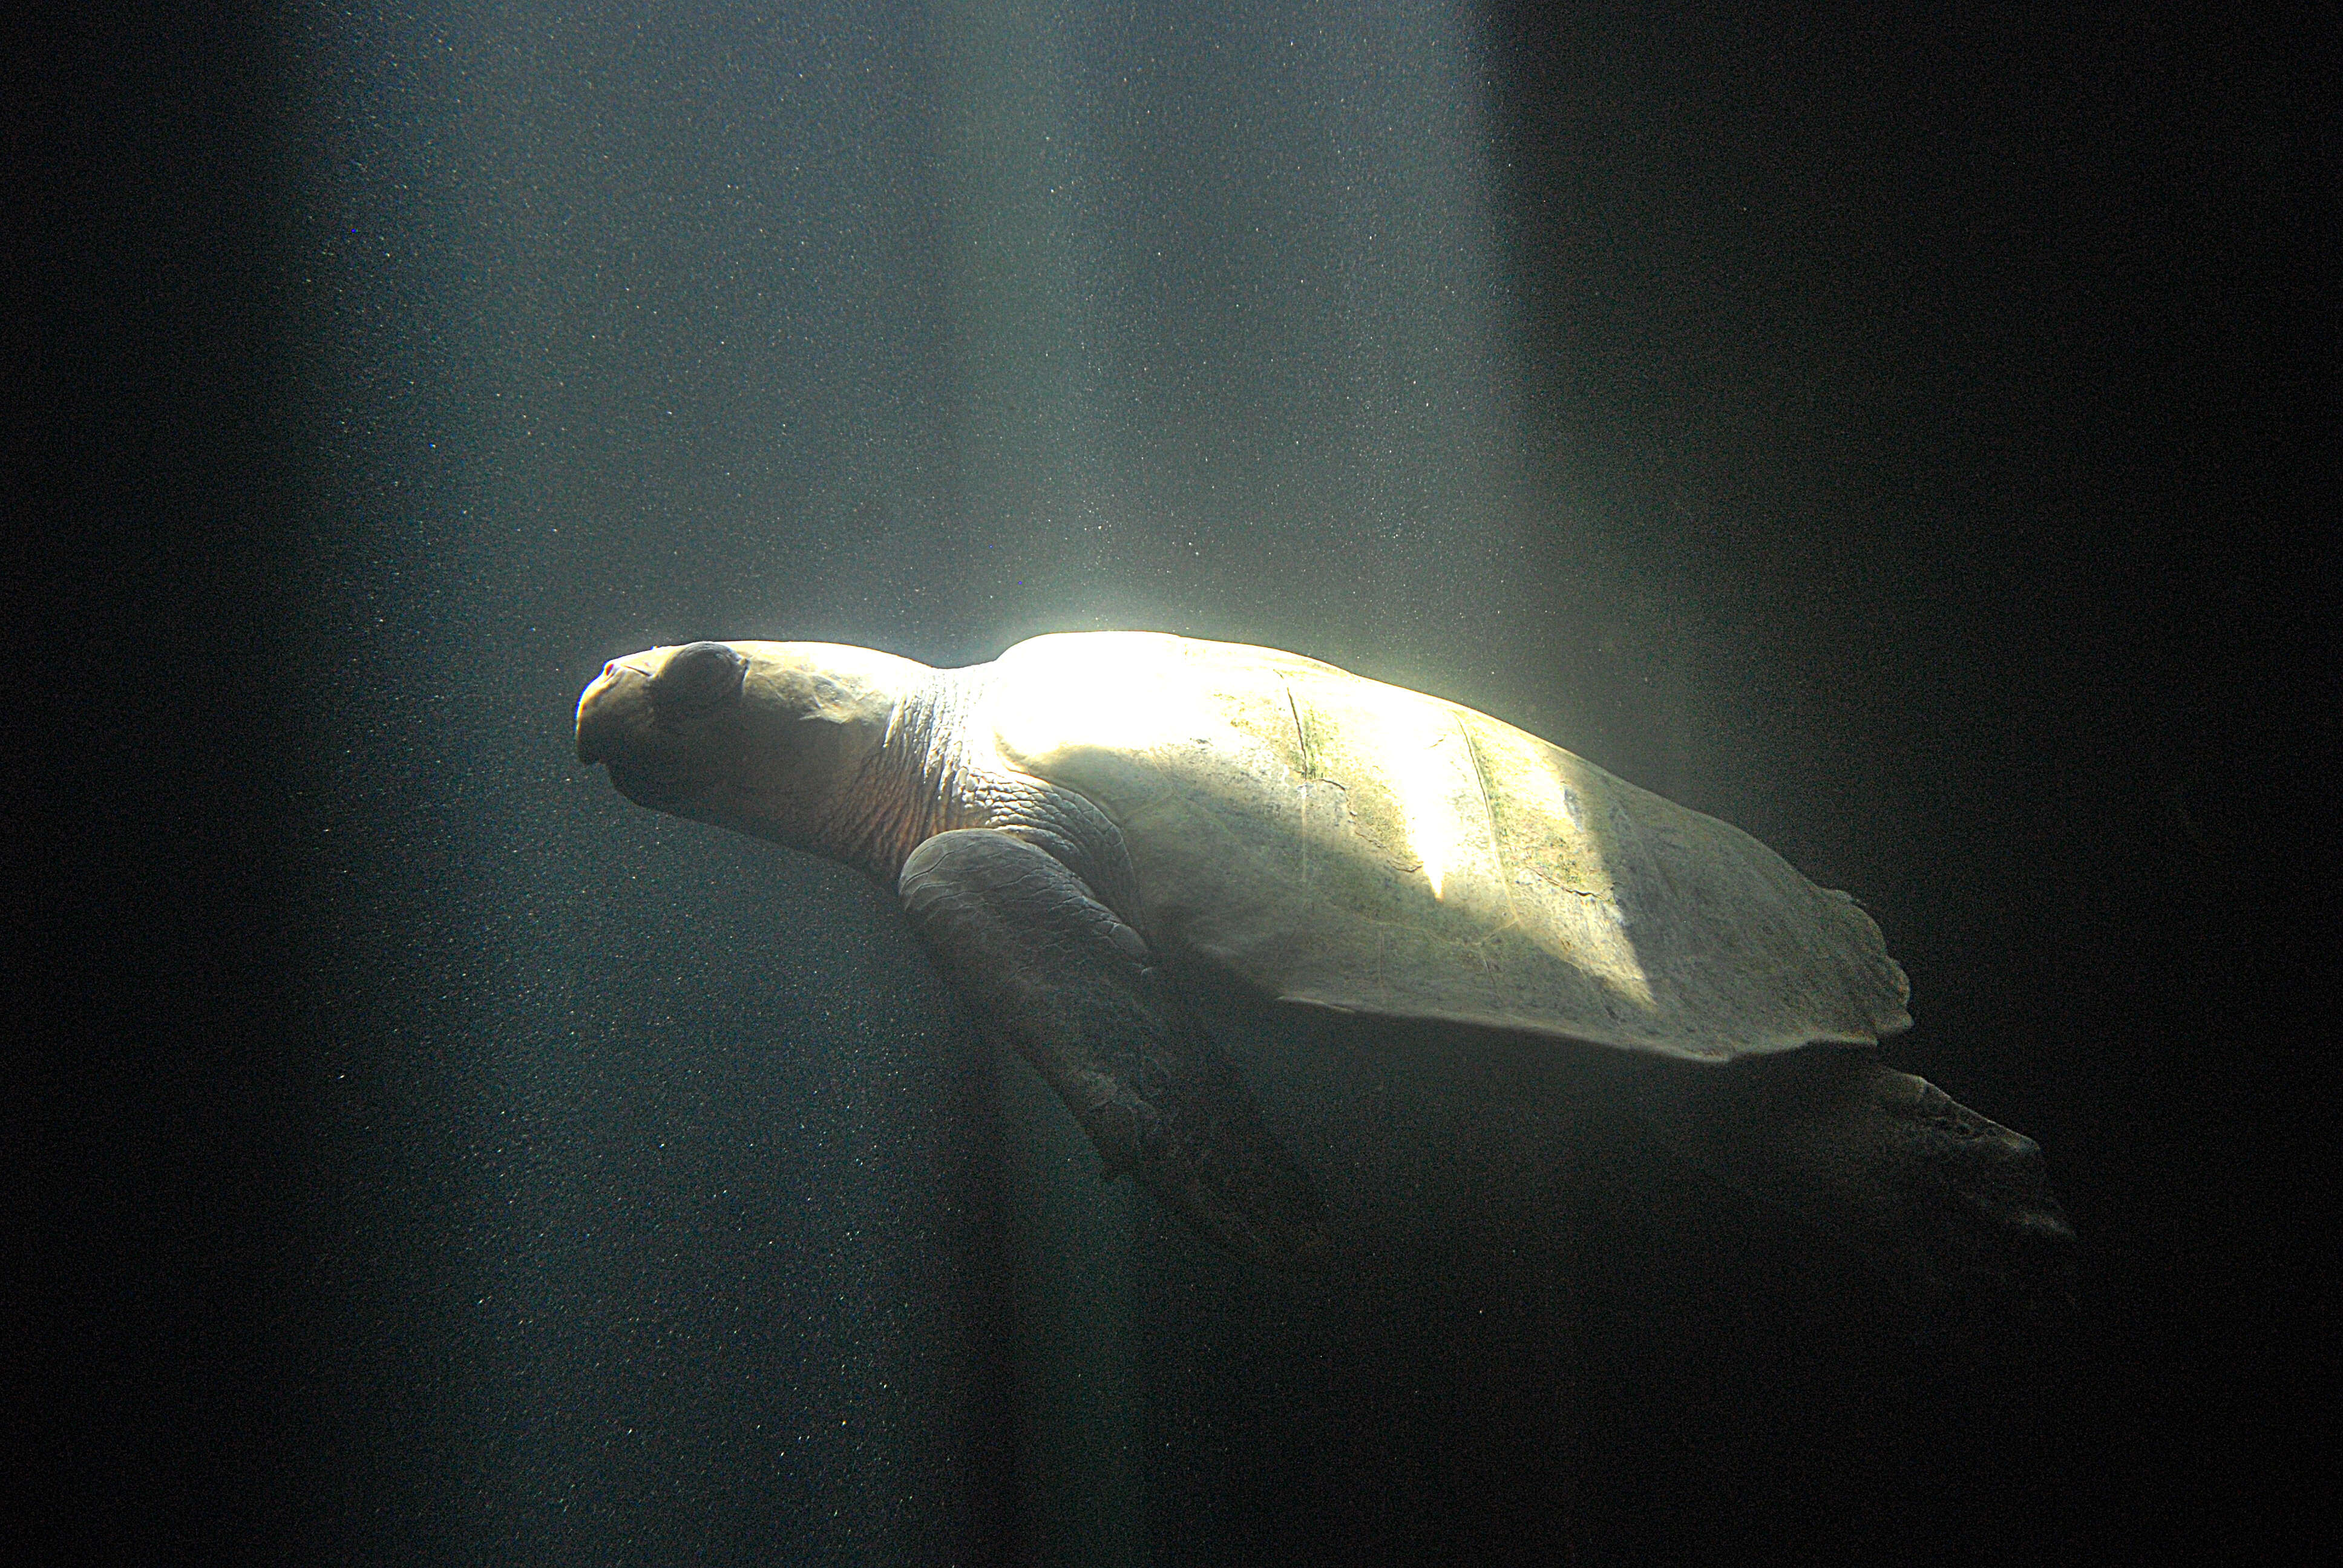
x=1910, y=441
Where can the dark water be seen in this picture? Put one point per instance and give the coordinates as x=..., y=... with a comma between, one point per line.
x=1868, y=434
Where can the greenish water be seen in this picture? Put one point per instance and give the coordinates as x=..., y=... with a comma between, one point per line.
x=631, y=1193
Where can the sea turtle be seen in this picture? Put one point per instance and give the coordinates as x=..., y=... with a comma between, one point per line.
x=1082, y=825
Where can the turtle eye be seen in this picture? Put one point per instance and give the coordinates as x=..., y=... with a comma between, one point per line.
x=697, y=681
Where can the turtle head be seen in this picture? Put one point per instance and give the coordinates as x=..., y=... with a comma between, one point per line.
x=771, y=739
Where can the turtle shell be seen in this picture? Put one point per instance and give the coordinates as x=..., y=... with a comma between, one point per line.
x=1336, y=841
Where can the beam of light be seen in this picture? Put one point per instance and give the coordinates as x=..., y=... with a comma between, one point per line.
x=1224, y=285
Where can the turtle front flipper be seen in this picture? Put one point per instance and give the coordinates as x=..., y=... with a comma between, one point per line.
x=1048, y=968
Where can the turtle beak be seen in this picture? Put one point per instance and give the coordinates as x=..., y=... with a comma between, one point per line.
x=609, y=700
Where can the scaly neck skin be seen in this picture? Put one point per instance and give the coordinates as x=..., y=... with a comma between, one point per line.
x=922, y=776
x=914, y=783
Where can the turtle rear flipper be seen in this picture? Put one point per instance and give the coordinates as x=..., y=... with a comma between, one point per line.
x=1953, y=1206
x=1054, y=972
